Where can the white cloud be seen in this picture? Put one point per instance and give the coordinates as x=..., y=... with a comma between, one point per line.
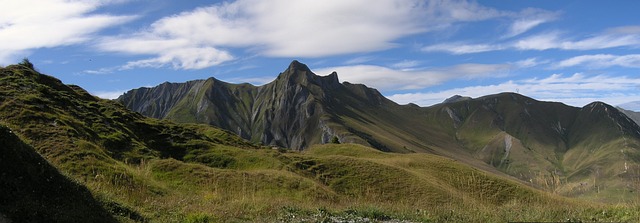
x=184, y=58
x=576, y=90
x=522, y=22
x=257, y=81
x=282, y=28
x=385, y=78
x=529, y=19
x=602, y=61
x=627, y=36
x=406, y=64
x=553, y=40
x=109, y=94
x=529, y=62
x=461, y=48
x=359, y=60
x=31, y=24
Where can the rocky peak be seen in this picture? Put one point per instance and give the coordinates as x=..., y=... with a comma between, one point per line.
x=299, y=74
x=297, y=66
x=456, y=98
x=602, y=111
x=598, y=107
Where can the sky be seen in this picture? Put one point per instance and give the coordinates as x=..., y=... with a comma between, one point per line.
x=412, y=51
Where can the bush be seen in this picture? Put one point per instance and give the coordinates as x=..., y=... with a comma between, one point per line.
x=335, y=140
x=26, y=63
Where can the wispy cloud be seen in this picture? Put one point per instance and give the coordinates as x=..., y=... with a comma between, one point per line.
x=602, y=61
x=461, y=48
x=385, y=78
x=625, y=37
x=529, y=62
x=30, y=24
x=529, y=19
x=554, y=40
x=522, y=22
x=359, y=60
x=406, y=65
x=576, y=90
x=205, y=36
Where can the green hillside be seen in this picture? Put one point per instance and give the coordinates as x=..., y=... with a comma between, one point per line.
x=34, y=191
x=111, y=163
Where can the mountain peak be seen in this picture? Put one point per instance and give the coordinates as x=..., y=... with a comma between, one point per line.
x=299, y=73
x=297, y=66
x=456, y=98
x=598, y=105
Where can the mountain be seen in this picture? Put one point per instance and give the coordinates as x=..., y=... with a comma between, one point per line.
x=633, y=106
x=69, y=155
x=456, y=98
x=635, y=116
x=573, y=151
x=289, y=112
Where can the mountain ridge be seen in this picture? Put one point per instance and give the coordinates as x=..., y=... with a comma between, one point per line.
x=494, y=132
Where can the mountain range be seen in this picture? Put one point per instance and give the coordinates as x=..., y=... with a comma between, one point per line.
x=593, y=151
x=67, y=156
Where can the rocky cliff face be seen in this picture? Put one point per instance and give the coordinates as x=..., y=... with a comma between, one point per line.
x=289, y=112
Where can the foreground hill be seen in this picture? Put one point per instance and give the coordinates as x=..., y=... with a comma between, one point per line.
x=141, y=169
x=591, y=151
x=34, y=191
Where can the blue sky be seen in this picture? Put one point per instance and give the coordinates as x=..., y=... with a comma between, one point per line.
x=423, y=52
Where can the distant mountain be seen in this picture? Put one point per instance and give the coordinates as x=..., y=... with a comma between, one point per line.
x=635, y=116
x=633, y=106
x=569, y=150
x=456, y=98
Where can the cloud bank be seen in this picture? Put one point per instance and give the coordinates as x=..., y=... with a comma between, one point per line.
x=27, y=25
x=386, y=79
x=208, y=36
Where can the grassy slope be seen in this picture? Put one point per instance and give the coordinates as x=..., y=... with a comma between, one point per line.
x=144, y=169
x=34, y=191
